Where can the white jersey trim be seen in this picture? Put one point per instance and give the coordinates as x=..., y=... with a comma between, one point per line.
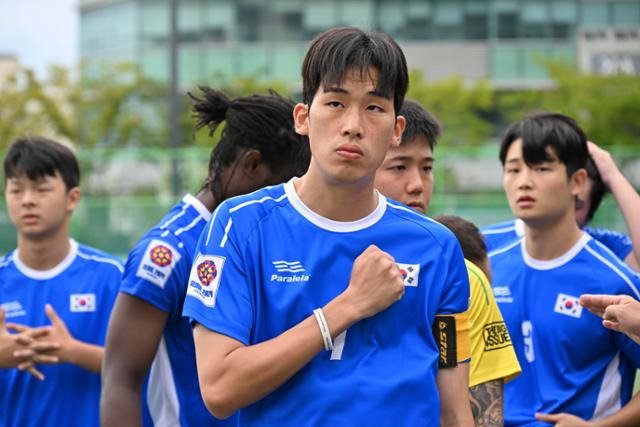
x=188, y=227
x=162, y=397
x=608, y=401
x=556, y=262
x=329, y=224
x=47, y=274
x=505, y=248
x=499, y=230
x=518, y=227
x=101, y=259
x=197, y=205
x=615, y=269
x=175, y=217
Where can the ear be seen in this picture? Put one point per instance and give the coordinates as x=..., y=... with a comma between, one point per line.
x=253, y=166
x=301, y=118
x=578, y=181
x=73, y=198
x=398, y=128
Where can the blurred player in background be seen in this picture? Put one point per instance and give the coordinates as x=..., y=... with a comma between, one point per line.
x=50, y=279
x=406, y=175
x=258, y=147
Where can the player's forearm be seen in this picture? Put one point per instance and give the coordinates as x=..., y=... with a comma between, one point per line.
x=454, y=396
x=628, y=416
x=487, y=403
x=120, y=405
x=249, y=373
x=629, y=202
x=87, y=356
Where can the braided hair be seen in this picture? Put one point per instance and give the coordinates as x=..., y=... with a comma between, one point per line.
x=260, y=122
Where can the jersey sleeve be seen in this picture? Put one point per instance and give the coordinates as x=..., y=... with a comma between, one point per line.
x=619, y=243
x=218, y=293
x=156, y=271
x=492, y=353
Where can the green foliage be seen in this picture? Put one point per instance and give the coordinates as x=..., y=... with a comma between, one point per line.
x=607, y=107
x=462, y=110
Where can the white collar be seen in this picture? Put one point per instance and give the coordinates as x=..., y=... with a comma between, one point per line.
x=556, y=262
x=52, y=272
x=197, y=205
x=329, y=224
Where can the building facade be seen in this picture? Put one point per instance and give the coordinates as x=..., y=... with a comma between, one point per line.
x=504, y=41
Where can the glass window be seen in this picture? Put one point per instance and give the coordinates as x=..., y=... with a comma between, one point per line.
x=252, y=61
x=504, y=63
x=189, y=66
x=534, y=11
x=595, y=15
x=508, y=24
x=564, y=11
x=476, y=27
x=506, y=5
x=218, y=20
x=534, y=62
x=358, y=13
x=448, y=13
x=418, y=9
x=393, y=17
x=626, y=14
x=188, y=16
x=285, y=62
x=320, y=15
x=155, y=63
x=155, y=20
x=218, y=62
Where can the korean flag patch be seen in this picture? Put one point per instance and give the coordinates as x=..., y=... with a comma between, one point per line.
x=409, y=273
x=157, y=262
x=569, y=305
x=205, y=278
x=82, y=303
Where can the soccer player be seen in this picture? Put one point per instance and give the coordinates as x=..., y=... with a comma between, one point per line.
x=406, y=175
x=324, y=262
x=258, y=147
x=570, y=363
x=603, y=174
x=58, y=294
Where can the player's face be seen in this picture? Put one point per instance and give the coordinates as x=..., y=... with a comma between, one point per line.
x=39, y=208
x=540, y=192
x=350, y=128
x=406, y=174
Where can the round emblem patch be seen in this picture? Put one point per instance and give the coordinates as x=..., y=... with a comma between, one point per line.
x=161, y=255
x=207, y=272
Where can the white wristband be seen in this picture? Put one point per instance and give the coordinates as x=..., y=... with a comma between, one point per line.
x=324, y=329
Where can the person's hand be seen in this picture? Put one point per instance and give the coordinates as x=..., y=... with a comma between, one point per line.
x=12, y=344
x=57, y=347
x=604, y=162
x=563, y=420
x=376, y=282
x=619, y=312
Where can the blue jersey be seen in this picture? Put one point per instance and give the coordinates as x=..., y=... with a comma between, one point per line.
x=81, y=289
x=570, y=362
x=266, y=261
x=503, y=233
x=157, y=271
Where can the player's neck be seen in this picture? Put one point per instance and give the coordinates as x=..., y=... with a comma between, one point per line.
x=46, y=252
x=208, y=200
x=336, y=201
x=550, y=240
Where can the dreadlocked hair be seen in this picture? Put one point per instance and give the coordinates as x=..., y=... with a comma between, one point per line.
x=259, y=122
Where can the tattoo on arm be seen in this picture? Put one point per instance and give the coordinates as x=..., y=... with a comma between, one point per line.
x=487, y=403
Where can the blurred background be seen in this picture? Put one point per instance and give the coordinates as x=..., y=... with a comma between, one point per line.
x=110, y=78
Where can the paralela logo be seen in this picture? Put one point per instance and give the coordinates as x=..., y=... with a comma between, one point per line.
x=207, y=272
x=161, y=255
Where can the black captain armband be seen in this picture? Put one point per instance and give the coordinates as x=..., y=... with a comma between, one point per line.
x=451, y=333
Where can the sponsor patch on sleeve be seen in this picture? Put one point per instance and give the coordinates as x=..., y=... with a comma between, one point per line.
x=157, y=262
x=205, y=278
x=82, y=303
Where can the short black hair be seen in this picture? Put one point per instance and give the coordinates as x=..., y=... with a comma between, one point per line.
x=419, y=122
x=260, y=122
x=334, y=52
x=471, y=240
x=37, y=157
x=598, y=189
x=539, y=131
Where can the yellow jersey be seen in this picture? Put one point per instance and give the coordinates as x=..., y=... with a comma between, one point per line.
x=492, y=354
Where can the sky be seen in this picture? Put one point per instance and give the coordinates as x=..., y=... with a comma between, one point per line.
x=39, y=32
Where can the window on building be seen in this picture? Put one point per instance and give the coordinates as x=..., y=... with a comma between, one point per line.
x=626, y=14
x=595, y=15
